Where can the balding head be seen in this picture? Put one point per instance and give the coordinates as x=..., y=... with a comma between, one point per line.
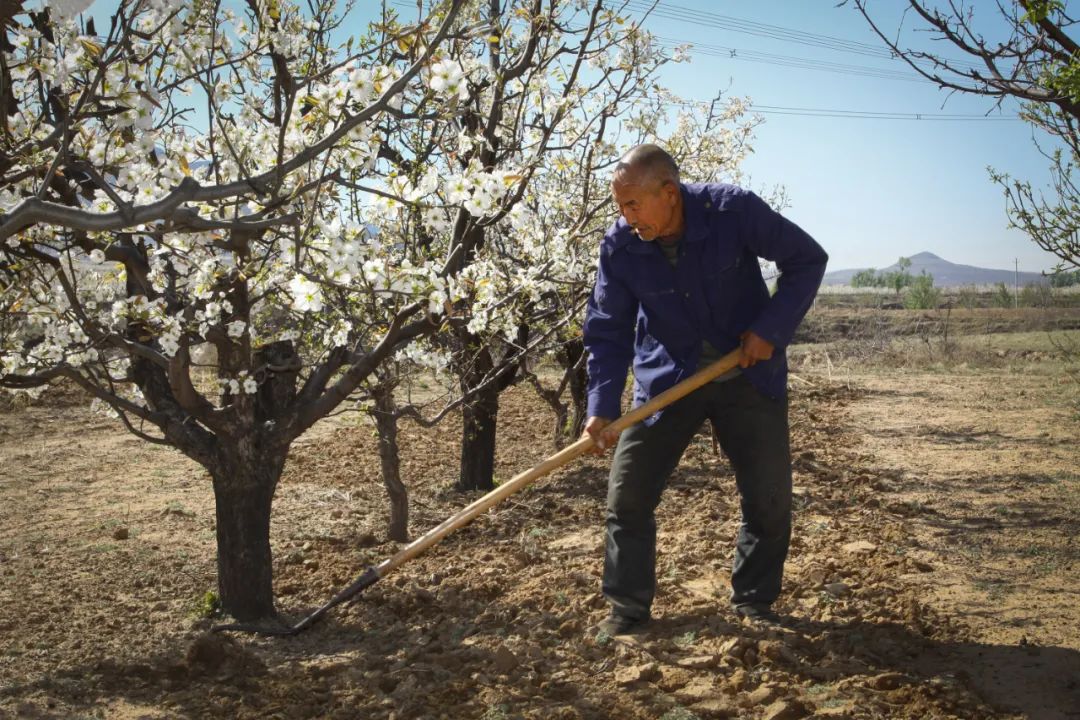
x=648, y=166
x=646, y=189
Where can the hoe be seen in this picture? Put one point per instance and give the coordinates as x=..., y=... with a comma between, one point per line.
x=373, y=574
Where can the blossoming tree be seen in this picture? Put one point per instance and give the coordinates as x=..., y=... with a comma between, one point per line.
x=220, y=223
x=187, y=236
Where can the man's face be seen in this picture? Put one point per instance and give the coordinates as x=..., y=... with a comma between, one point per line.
x=651, y=209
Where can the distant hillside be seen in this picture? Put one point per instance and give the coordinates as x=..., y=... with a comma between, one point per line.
x=946, y=274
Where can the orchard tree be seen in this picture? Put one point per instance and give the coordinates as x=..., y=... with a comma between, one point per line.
x=185, y=185
x=1037, y=63
x=563, y=119
x=221, y=224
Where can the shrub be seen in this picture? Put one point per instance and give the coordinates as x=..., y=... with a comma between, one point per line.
x=1037, y=295
x=968, y=297
x=1002, y=297
x=922, y=295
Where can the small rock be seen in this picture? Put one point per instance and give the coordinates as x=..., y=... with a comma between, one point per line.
x=920, y=565
x=738, y=679
x=505, y=660
x=673, y=678
x=120, y=533
x=366, y=540
x=785, y=710
x=838, y=589
x=714, y=708
x=817, y=577
x=886, y=681
x=860, y=547
x=311, y=564
x=763, y=695
x=776, y=650
x=733, y=648
x=698, y=662
x=636, y=673
x=306, y=547
x=294, y=558
x=696, y=692
x=336, y=513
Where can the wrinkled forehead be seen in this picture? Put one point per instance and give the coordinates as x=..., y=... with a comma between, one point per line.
x=625, y=188
x=628, y=175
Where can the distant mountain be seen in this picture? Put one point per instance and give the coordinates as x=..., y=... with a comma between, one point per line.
x=945, y=273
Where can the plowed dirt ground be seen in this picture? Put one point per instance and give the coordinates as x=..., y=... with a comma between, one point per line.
x=933, y=573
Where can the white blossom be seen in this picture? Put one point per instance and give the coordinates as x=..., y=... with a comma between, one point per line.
x=448, y=78
x=306, y=295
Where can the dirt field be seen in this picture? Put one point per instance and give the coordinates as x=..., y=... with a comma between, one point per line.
x=933, y=573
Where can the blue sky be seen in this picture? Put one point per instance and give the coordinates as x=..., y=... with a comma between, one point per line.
x=870, y=190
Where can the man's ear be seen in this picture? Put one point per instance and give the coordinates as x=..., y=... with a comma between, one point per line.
x=672, y=189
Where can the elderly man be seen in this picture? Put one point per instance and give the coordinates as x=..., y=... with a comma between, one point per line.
x=679, y=285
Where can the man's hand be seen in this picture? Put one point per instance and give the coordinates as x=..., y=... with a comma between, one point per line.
x=595, y=428
x=754, y=348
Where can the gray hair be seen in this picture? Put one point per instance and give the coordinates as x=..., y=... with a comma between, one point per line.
x=647, y=165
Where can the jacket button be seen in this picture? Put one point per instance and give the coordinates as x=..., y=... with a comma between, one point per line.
x=708, y=205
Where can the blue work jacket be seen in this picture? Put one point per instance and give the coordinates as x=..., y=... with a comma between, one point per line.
x=644, y=310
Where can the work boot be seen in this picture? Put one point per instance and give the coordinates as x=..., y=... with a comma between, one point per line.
x=758, y=613
x=616, y=624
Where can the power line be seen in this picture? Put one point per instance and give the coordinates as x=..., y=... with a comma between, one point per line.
x=701, y=18
x=853, y=114
x=732, y=53
x=874, y=115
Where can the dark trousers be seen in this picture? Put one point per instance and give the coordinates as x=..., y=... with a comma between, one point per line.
x=753, y=432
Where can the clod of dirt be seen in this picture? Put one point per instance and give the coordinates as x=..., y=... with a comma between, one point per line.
x=121, y=533
x=734, y=648
x=698, y=691
x=698, y=662
x=838, y=589
x=763, y=696
x=212, y=654
x=886, y=681
x=505, y=660
x=860, y=547
x=776, y=650
x=785, y=710
x=737, y=681
x=714, y=708
x=636, y=673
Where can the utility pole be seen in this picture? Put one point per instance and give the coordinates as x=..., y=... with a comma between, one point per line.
x=1016, y=282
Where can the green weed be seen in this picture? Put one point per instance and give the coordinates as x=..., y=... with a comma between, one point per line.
x=686, y=639
x=208, y=606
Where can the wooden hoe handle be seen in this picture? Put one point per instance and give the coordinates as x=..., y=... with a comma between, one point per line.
x=508, y=488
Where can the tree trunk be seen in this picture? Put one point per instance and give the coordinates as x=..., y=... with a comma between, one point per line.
x=244, y=485
x=479, y=421
x=386, y=422
x=579, y=380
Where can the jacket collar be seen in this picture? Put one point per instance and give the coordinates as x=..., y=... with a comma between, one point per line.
x=695, y=224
